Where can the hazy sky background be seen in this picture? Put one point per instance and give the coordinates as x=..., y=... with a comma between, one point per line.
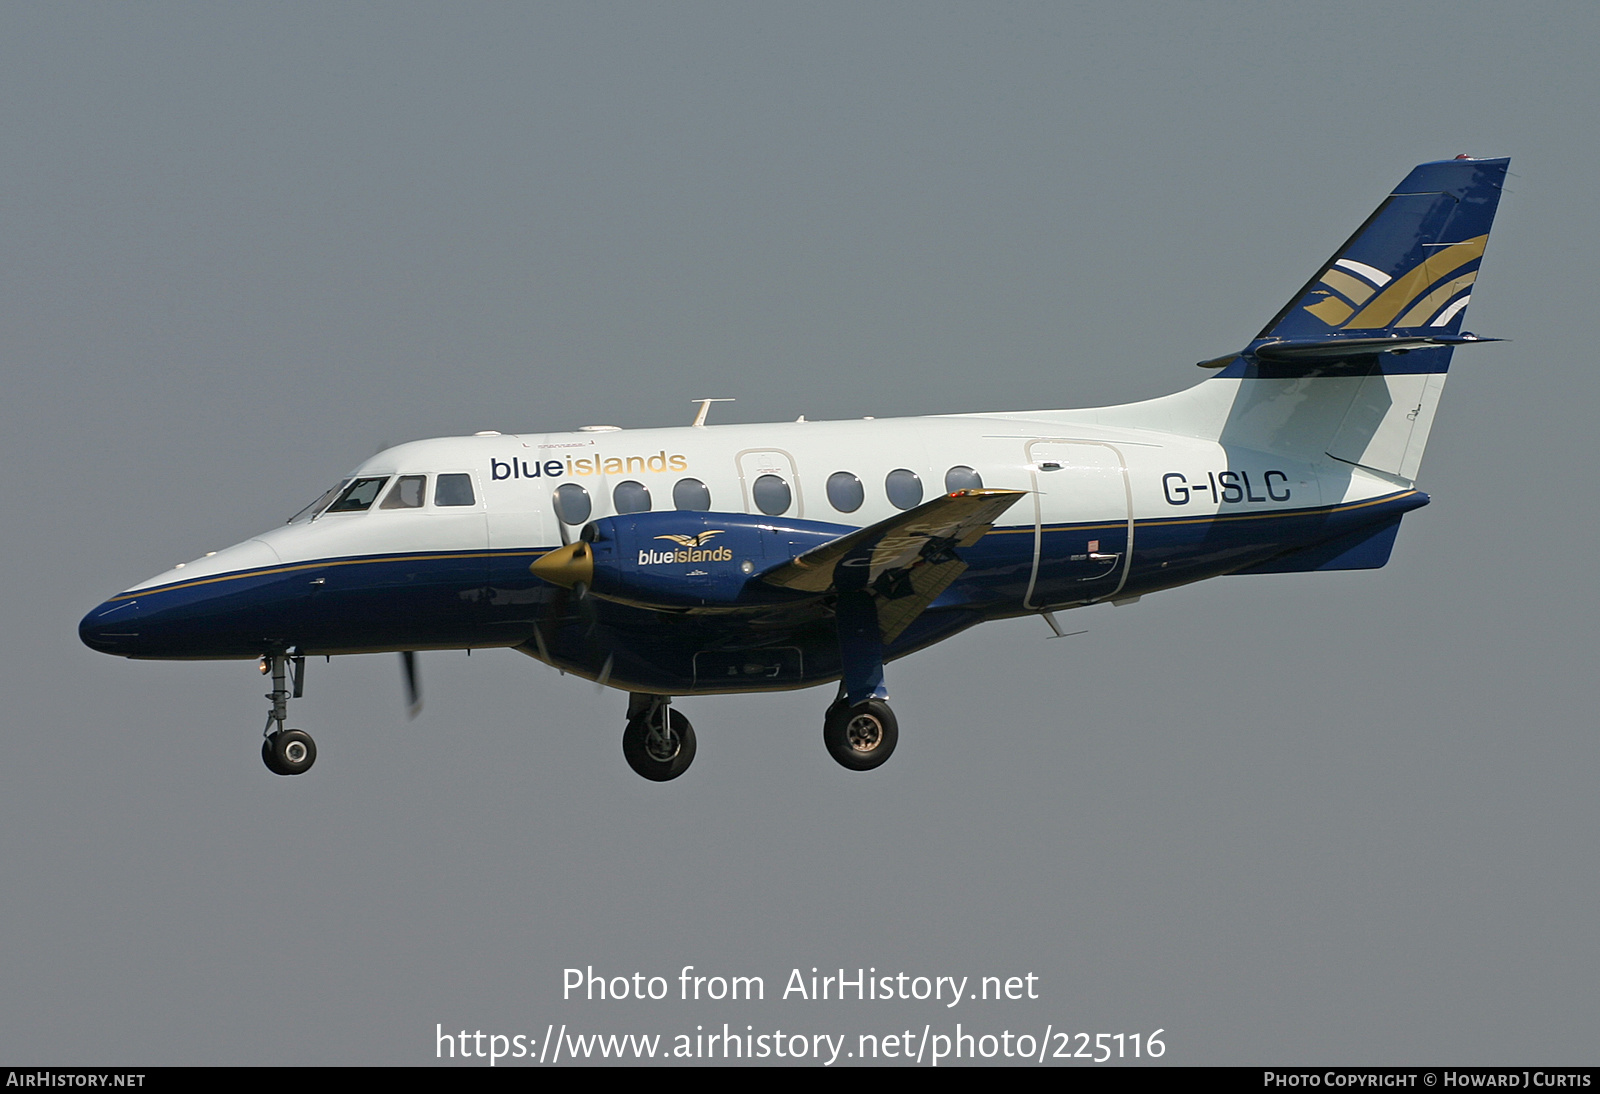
x=1320, y=818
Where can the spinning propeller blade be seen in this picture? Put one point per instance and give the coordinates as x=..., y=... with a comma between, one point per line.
x=408, y=670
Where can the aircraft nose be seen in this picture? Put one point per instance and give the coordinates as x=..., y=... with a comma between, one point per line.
x=113, y=627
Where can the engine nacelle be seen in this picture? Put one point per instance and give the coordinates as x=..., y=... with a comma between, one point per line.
x=685, y=559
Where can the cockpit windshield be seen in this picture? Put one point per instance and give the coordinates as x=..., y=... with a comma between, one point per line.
x=319, y=505
x=359, y=495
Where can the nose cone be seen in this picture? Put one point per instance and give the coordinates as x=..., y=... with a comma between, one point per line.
x=567, y=565
x=200, y=608
x=113, y=627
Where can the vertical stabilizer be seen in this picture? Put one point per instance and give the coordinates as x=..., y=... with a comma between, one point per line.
x=1353, y=365
x=1409, y=269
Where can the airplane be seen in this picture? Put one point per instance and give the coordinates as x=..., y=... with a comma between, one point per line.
x=712, y=559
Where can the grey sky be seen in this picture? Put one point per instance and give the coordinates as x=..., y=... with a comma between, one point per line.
x=1304, y=818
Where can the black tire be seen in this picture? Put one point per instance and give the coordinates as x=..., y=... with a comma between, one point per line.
x=861, y=737
x=291, y=752
x=269, y=757
x=653, y=766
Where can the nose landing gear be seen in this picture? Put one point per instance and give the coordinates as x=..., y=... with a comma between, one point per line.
x=291, y=752
x=285, y=751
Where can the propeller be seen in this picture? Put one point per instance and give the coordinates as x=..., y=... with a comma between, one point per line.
x=408, y=670
x=570, y=568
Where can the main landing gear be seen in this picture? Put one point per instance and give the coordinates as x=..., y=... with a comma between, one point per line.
x=285, y=751
x=859, y=729
x=658, y=742
x=860, y=737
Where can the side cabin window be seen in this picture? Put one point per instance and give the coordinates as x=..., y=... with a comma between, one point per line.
x=631, y=497
x=406, y=493
x=771, y=494
x=691, y=494
x=961, y=477
x=572, y=503
x=359, y=495
x=454, y=490
x=845, y=492
x=904, y=489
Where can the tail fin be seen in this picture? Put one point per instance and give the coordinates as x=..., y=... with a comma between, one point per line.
x=1408, y=271
x=1353, y=366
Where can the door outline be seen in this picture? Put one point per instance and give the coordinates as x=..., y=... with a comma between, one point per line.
x=797, y=506
x=1035, y=472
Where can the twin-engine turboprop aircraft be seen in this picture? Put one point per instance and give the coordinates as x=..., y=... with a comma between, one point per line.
x=713, y=559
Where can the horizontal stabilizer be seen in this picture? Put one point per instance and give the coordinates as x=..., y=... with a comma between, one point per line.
x=1323, y=351
x=1335, y=348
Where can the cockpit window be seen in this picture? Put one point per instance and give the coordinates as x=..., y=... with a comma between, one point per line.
x=359, y=495
x=406, y=493
x=319, y=505
x=454, y=490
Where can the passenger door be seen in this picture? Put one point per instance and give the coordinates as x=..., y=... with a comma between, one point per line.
x=1082, y=522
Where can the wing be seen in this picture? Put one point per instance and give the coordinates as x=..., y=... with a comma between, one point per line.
x=905, y=562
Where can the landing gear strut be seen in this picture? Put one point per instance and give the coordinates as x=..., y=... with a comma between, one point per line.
x=285, y=751
x=859, y=729
x=860, y=737
x=659, y=742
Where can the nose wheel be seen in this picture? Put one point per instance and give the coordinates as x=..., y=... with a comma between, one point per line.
x=860, y=737
x=285, y=751
x=291, y=752
x=658, y=742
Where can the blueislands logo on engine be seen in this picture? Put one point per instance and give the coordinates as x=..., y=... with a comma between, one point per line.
x=690, y=549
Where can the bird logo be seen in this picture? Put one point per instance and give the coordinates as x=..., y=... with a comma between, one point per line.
x=694, y=541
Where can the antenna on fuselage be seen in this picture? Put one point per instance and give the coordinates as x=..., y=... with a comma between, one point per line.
x=1050, y=618
x=705, y=408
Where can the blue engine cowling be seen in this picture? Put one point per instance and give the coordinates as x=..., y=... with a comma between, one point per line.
x=697, y=560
